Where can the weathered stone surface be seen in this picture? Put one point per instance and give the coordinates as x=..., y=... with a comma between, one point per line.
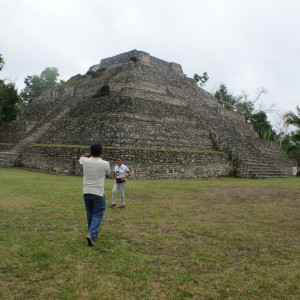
x=139, y=101
x=144, y=163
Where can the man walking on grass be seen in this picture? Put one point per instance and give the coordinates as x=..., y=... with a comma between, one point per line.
x=94, y=171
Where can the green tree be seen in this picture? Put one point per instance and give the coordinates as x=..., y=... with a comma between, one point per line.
x=201, y=79
x=242, y=104
x=35, y=85
x=291, y=118
x=262, y=126
x=1, y=62
x=10, y=102
x=227, y=100
x=291, y=142
x=245, y=108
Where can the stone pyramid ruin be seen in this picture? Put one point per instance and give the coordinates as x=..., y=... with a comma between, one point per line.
x=146, y=110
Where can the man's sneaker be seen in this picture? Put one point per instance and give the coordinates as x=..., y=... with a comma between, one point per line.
x=113, y=205
x=121, y=206
x=90, y=241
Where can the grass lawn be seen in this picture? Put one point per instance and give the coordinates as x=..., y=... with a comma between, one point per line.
x=223, y=238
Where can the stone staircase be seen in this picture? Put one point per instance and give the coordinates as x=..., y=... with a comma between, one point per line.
x=249, y=160
x=12, y=157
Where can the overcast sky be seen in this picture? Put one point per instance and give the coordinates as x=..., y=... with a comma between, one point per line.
x=245, y=44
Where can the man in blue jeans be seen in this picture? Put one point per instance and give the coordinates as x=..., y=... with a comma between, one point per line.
x=94, y=171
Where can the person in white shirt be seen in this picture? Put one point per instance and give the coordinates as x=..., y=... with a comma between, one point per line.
x=94, y=171
x=121, y=172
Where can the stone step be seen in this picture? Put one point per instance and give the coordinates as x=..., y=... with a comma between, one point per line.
x=247, y=151
x=9, y=159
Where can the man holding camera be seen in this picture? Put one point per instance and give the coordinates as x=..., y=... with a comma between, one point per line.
x=95, y=169
x=121, y=172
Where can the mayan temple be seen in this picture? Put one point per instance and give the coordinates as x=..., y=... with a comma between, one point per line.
x=146, y=110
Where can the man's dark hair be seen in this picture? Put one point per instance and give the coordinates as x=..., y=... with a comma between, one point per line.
x=96, y=150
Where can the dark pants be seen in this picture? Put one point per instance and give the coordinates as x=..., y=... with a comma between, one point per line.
x=95, y=207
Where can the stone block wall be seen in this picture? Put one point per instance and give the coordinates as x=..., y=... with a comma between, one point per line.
x=129, y=122
x=142, y=58
x=15, y=131
x=144, y=163
x=4, y=147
